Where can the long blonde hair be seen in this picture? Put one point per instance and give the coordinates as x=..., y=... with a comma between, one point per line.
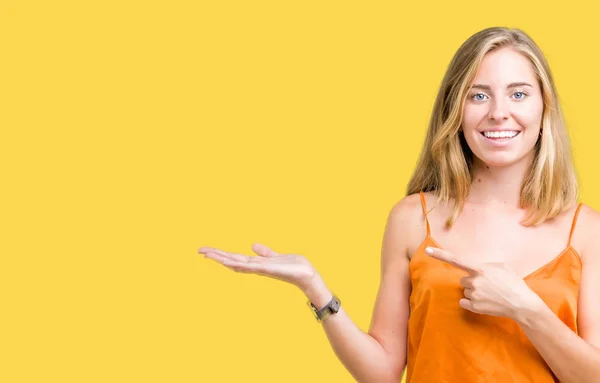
x=445, y=163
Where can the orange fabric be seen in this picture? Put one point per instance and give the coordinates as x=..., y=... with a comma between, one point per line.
x=447, y=343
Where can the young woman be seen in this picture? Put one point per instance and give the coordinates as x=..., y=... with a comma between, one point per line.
x=490, y=267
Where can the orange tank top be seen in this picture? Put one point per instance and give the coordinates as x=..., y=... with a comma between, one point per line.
x=447, y=343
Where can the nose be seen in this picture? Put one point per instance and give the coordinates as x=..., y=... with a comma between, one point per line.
x=498, y=110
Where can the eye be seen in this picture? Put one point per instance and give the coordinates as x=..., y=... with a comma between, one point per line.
x=478, y=97
x=519, y=95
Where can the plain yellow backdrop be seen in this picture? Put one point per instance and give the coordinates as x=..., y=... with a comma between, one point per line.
x=134, y=132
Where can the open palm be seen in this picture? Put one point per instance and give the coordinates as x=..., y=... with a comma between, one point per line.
x=291, y=268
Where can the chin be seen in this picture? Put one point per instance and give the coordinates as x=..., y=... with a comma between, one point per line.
x=501, y=160
x=498, y=163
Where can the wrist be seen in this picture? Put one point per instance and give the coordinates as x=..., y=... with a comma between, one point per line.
x=529, y=316
x=317, y=291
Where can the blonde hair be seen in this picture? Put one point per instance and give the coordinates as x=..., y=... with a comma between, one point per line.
x=445, y=163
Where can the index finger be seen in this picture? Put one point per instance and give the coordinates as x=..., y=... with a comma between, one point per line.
x=448, y=257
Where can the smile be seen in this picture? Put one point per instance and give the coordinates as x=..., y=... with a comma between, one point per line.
x=500, y=134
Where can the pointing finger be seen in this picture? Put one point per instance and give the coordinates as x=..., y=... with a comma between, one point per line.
x=448, y=257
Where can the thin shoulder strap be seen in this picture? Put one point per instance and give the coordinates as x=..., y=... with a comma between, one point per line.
x=574, y=222
x=424, y=206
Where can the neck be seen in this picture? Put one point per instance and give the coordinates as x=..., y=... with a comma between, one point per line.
x=498, y=185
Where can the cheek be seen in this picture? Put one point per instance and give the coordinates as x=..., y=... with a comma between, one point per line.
x=529, y=116
x=472, y=116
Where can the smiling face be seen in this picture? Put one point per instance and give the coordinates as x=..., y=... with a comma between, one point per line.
x=503, y=111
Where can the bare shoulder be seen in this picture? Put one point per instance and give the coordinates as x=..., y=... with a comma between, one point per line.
x=407, y=207
x=586, y=234
x=407, y=212
x=406, y=224
x=589, y=215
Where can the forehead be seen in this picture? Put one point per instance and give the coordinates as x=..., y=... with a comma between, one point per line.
x=504, y=66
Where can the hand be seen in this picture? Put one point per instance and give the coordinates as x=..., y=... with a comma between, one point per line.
x=491, y=288
x=291, y=268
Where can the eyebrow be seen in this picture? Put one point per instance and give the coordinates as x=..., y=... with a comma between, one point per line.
x=511, y=85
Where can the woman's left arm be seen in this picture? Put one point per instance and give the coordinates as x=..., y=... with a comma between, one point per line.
x=573, y=358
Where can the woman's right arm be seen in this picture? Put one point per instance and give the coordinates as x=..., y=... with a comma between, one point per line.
x=379, y=355
x=376, y=356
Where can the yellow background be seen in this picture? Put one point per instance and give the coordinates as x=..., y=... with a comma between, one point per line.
x=134, y=132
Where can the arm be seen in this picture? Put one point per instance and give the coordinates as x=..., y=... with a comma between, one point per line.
x=572, y=358
x=378, y=355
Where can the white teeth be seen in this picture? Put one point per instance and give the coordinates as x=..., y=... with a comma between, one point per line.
x=501, y=134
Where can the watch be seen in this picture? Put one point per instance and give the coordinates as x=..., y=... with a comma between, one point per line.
x=330, y=308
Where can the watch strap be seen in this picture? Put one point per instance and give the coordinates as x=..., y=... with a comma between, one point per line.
x=332, y=307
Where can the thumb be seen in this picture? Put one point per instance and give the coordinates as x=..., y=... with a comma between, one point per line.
x=263, y=250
